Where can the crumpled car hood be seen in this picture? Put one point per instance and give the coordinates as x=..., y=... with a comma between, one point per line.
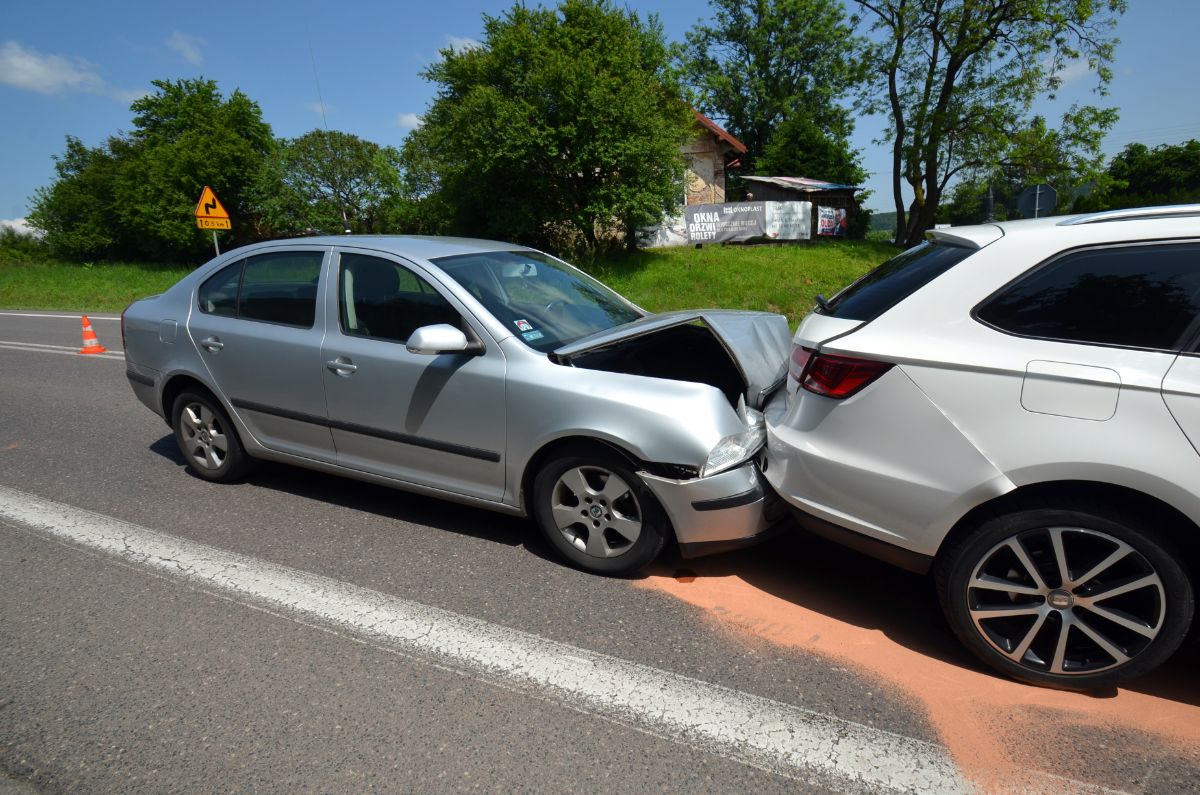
x=758, y=342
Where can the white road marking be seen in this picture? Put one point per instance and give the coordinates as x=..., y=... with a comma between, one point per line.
x=37, y=347
x=72, y=317
x=772, y=735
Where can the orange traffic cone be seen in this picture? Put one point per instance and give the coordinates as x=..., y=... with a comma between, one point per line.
x=91, y=343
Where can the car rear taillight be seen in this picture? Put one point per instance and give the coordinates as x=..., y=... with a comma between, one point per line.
x=123, y=311
x=800, y=357
x=835, y=376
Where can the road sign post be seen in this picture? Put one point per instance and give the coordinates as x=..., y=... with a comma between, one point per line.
x=210, y=214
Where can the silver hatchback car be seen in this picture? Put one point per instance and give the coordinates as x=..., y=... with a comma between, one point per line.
x=475, y=371
x=1016, y=406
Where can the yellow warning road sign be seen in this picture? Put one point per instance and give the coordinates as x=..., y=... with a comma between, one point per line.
x=209, y=212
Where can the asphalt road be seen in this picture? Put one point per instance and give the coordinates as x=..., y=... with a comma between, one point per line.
x=119, y=674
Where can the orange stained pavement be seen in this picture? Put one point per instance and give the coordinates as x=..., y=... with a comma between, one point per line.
x=805, y=593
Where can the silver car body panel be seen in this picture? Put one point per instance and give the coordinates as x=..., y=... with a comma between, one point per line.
x=455, y=426
x=906, y=458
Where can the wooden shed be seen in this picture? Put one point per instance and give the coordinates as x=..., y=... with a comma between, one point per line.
x=790, y=189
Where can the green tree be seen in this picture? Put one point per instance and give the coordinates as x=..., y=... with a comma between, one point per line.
x=565, y=125
x=187, y=135
x=763, y=63
x=329, y=180
x=135, y=195
x=1068, y=158
x=75, y=211
x=1142, y=177
x=800, y=147
x=958, y=77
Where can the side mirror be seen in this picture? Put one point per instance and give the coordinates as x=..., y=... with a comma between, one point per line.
x=440, y=338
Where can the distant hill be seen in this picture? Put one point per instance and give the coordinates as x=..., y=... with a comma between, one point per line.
x=883, y=222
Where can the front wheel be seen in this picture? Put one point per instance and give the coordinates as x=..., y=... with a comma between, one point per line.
x=596, y=512
x=1072, y=599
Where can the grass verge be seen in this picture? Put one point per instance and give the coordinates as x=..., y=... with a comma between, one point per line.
x=774, y=278
x=106, y=287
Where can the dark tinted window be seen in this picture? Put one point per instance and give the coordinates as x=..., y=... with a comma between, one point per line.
x=218, y=295
x=1140, y=296
x=893, y=281
x=281, y=287
x=381, y=299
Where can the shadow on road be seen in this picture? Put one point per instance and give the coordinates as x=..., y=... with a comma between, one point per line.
x=382, y=501
x=849, y=587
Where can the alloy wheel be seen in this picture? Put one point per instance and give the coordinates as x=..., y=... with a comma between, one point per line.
x=596, y=511
x=1066, y=600
x=204, y=436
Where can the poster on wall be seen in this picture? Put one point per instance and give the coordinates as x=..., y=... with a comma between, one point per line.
x=789, y=220
x=832, y=221
x=741, y=221
x=721, y=223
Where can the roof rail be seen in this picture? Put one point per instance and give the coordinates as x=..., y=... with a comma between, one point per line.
x=1134, y=214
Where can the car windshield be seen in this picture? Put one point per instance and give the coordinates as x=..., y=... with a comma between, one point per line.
x=546, y=303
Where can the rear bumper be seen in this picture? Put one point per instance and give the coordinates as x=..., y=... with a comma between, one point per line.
x=144, y=382
x=886, y=464
x=726, y=511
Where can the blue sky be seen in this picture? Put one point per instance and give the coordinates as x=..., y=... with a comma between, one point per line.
x=73, y=68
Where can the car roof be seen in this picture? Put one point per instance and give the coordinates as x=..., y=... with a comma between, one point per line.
x=1134, y=223
x=423, y=247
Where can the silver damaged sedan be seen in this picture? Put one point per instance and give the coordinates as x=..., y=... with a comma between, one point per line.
x=480, y=372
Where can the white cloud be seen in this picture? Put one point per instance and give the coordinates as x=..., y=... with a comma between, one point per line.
x=18, y=225
x=460, y=43
x=319, y=108
x=26, y=68
x=126, y=94
x=46, y=74
x=409, y=121
x=187, y=46
x=1073, y=71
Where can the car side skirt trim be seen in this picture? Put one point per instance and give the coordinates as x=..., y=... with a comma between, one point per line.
x=881, y=550
x=391, y=436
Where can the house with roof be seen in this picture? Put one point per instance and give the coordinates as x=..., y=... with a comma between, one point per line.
x=709, y=156
x=775, y=208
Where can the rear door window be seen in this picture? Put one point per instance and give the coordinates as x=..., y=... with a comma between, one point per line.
x=893, y=281
x=1143, y=296
x=281, y=288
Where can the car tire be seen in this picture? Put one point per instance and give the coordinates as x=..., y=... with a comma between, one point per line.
x=207, y=439
x=598, y=514
x=1119, y=605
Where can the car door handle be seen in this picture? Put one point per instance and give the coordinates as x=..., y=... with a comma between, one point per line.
x=212, y=343
x=342, y=366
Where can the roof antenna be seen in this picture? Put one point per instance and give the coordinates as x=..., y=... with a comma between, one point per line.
x=320, y=99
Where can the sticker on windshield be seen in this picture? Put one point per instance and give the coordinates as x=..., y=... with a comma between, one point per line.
x=530, y=336
x=523, y=325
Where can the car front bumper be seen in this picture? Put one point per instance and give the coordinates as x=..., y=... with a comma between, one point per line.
x=725, y=511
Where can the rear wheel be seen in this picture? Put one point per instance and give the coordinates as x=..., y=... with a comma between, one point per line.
x=596, y=512
x=207, y=438
x=1066, y=598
